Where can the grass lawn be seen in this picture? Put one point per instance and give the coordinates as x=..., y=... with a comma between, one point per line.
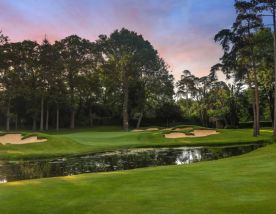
x=243, y=184
x=110, y=138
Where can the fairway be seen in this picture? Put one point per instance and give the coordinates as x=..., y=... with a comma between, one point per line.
x=244, y=184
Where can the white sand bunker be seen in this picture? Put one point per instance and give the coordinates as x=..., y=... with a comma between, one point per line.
x=195, y=133
x=152, y=129
x=138, y=130
x=167, y=129
x=17, y=139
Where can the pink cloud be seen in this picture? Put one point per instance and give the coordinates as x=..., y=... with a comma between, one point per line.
x=183, y=44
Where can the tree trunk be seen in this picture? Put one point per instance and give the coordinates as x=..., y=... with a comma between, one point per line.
x=256, y=94
x=72, y=119
x=47, y=118
x=225, y=122
x=255, y=133
x=57, y=118
x=257, y=97
x=91, y=122
x=42, y=113
x=274, y=35
x=125, y=102
x=257, y=103
x=16, y=122
x=271, y=108
x=202, y=117
x=34, y=123
x=8, y=115
x=253, y=107
x=139, y=121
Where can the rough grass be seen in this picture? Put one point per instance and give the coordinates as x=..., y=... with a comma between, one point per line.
x=244, y=184
x=110, y=138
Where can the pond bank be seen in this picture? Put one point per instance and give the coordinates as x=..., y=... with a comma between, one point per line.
x=117, y=160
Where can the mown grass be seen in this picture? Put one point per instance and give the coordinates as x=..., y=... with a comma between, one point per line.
x=99, y=139
x=243, y=184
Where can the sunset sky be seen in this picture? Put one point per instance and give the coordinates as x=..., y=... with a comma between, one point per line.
x=181, y=30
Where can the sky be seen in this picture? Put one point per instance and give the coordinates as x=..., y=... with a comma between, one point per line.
x=181, y=30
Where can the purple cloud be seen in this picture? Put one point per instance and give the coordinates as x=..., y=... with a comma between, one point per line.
x=181, y=30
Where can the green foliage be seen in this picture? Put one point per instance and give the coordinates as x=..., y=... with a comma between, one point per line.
x=88, y=81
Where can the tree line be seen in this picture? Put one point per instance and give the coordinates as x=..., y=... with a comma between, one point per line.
x=249, y=48
x=118, y=76
x=121, y=78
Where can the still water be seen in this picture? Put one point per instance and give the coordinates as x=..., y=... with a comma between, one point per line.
x=112, y=161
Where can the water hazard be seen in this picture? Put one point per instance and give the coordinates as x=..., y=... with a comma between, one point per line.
x=112, y=161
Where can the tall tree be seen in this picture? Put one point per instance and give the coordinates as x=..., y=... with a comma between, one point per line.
x=4, y=67
x=75, y=53
x=128, y=57
x=269, y=6
x=196, y=88
x=239, y=56
x=246, y=25
x=155, y=91
x=45, y=71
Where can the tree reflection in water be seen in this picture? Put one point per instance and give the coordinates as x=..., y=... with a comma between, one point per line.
x=112, y=161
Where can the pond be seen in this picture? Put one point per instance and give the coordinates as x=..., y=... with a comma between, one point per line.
x=118, y=160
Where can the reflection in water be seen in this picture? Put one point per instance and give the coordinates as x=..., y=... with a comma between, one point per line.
x=3, y=180
x=112, y=161
x=188, y=156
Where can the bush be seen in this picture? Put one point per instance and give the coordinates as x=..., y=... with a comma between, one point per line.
x=250, y=124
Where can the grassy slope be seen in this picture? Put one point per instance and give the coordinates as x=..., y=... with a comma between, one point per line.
x=83, y=141
x=244, y=184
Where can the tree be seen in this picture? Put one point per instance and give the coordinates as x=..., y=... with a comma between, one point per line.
x=3, y=39
x=53, y=88
x=247, y=23
x=115, y=77
x=20, y=78
x=239, y=56
x=156, y=90
x=265, y=66
x=196, y=88
x=127, y=57
x=269, y=6
x=75, y=54
x=45, y=62
x=187, y=86
x=91, y=88
x=4, y=67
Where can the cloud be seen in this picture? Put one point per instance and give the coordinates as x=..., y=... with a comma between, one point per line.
x=181, y=30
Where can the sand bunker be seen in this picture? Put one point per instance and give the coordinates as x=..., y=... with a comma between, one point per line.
x=152, y=129
x=175, y=135
x=138, y=130
x=17, y=139
x=204, y=133
x=195, y=133
x=167, y=129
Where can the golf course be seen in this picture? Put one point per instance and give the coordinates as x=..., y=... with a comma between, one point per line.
x=138, y=107
x=241, y=184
